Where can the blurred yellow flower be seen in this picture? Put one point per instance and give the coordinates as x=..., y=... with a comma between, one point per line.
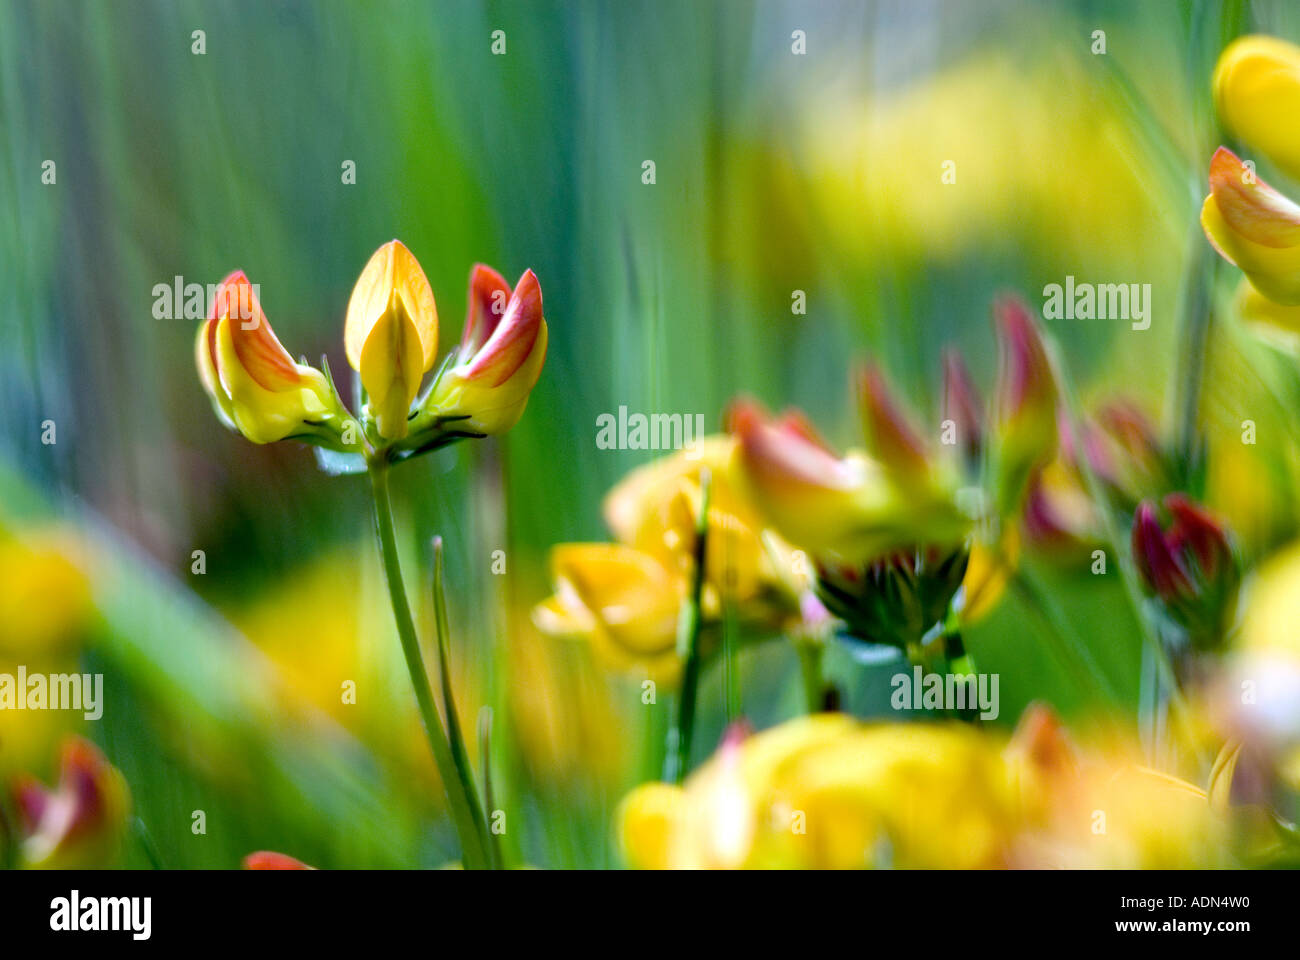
x=1257, y=95
x=625, y=597
x=623, y=601
x=829, y=792
x=842, y=510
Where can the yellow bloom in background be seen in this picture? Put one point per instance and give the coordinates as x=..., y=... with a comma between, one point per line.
x=830, y=792
x=391, y=334
x=47, y=616
x=1272, y=317
x=1257, y=95
x=623, y=601
x=625, y=598
x=1099, y=807
x=500, y=358
x=254, y=384
x=656, y=508
x=1253, y=227
x=845, y=510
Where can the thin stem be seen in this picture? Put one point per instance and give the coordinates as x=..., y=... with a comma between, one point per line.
x=489, y=798
x=461, y=801
x=455, y=737
x=689, y=643
x=810, y=668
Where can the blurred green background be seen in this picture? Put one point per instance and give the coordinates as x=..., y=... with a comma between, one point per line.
x=775, y=172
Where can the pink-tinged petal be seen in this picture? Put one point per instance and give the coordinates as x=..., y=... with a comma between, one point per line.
x=784, y=456
x=1026, y=376
x=32, y=800
x=489, y=297
x=259, y=351
x=513, y=339
x=892, y=438
x=1250, y=206
x=961, y=400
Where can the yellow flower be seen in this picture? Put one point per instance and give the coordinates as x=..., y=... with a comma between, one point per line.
x=1255, y=308
x=846, y=510
x=656, y=508
x=501, y=355
x=624, y=601
x=1257, y=94
x=654, y=513
x=1254, y=227
x=829, y=792
x=391, y=334
x=254, y=384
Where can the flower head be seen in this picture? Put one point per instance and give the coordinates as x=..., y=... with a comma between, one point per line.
x=254, y=384
x=500, y=358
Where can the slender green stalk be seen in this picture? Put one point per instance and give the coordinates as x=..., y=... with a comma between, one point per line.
x=146, y=843
x=679, y=752
x=460, y=799
x=810, y=668
x=455, y=737
x=485, y=758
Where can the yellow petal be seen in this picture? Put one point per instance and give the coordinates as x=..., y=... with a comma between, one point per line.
x=392, y=269
x=1257, y=94
x=390, y=367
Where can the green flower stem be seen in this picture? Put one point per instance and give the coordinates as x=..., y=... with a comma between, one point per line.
x=455, y=737
x=460, y=795
x=679, y=752
x=810, y=653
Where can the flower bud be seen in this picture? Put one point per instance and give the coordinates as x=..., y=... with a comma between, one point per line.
x=843, y=510
x=1256, y=87
x=254, y=384
x=80, y=823
x=1189, y=565
x=1025, y=434
x=1254, y=227
x=391, y=334
x=889, y=436
x=500, y=357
